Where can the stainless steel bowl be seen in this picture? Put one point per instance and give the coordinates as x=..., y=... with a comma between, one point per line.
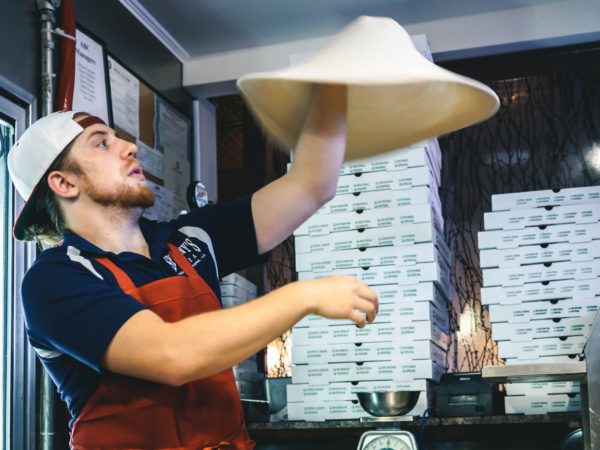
x=386, y=404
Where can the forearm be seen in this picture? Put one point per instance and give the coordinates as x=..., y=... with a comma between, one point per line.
x=208, y=343
x=196, y=347
x=283, y=205
x=319, y=153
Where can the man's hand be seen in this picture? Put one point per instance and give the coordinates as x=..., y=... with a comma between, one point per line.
x=341, y=297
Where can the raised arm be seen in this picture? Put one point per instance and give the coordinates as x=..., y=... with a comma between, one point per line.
x=283, y=205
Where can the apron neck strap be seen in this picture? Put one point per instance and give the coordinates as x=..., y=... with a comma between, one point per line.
x=182, y=261
x=123, y=279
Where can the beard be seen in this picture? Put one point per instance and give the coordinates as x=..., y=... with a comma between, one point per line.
x=124, y=197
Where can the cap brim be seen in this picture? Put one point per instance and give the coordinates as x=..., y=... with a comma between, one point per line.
x=28, y=216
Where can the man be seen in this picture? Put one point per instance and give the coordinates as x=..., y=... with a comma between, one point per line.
x=124, y=313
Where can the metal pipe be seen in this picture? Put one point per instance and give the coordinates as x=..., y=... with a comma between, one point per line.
x=46, y=11
x=196, y=146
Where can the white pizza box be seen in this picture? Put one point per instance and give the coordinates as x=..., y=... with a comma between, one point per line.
x=542, y=388
x=572, y=345
x=546, y=309
x=535, y=329
x=547, y=197
x=233, y=290
x=388, y=181
x=248, y=375
x=521, y=218
x=248, y=390
x=553, y=359
x=513, y=276
x=371, y=237
x=539, y=235
x=542, y=404
x=420, y=292
x=369, y=351
x=419, y=154
x=229, y=301
x=247, y=364
x=394, y=312
x=340, y=410
x=397, y=312
x=238, y=280
x=553, y=290
x=321, y=224
x=425, y=272
x=537, y=254
x=348, y=390
x=376, y=332
x=398, y=159
x=366, y=201
x=404, y=255
x=399, y=370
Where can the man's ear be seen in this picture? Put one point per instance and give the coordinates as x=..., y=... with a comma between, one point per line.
x=62, y=184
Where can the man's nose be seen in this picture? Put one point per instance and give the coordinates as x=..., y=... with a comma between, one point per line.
x=130, y=149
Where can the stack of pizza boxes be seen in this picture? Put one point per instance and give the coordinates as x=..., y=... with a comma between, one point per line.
x=384, y=226
x=540, y=261
x=236, y=290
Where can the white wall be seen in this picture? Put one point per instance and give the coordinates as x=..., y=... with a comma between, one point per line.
x=521, y=28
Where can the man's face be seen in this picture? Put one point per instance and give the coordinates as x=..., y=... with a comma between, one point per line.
x=110, y=174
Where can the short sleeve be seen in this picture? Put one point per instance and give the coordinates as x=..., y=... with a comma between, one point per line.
x=72, y=310
x=231, y=229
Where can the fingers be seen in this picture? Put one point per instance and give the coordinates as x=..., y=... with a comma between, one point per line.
x=368, y=301
x=358, y=317
x=368, y=308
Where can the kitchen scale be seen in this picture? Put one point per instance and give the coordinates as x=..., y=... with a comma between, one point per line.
x=387, y=440
x=385, y=407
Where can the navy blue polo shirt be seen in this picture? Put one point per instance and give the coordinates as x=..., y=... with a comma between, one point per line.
x=73, y=305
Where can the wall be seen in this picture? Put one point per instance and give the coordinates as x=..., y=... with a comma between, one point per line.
x=516, y=27
x=111, y=22
x=19, y=38
x=133, y=44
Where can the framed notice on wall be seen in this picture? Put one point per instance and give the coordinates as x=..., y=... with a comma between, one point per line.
x=91, y=92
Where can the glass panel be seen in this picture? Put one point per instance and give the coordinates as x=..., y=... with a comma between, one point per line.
x=7, y=133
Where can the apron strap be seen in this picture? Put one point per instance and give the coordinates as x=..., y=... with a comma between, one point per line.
x=123, y=279
x=182, y=261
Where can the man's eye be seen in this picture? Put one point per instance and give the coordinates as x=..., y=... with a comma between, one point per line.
x=102, y=143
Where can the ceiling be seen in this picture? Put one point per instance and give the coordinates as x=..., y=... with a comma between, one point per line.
x=204, y=27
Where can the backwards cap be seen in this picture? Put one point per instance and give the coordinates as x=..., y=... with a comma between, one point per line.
x=33, y=154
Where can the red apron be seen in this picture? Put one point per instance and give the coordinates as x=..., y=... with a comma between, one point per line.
x=130, y=413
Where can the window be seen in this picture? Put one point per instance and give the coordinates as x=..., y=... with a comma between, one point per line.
x=17, y=363
x=7, y=132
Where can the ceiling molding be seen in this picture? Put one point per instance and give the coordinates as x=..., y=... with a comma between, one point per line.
x=146, y=19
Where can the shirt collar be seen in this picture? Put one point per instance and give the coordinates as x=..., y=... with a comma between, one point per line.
x=156, y=236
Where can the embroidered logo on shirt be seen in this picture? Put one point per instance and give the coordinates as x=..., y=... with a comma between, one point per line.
x=171, y=263
x=192, y=252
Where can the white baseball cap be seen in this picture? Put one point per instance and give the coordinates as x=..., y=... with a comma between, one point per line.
x=33, y=154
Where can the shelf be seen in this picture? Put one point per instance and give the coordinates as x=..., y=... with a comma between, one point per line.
x=507, y=419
